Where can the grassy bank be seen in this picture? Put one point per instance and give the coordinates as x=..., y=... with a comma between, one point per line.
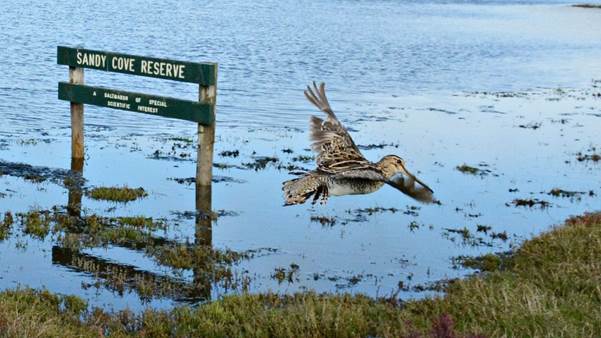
x=551, y=286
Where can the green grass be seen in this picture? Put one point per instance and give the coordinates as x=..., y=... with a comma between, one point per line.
x=551, y=286
x=117, y=194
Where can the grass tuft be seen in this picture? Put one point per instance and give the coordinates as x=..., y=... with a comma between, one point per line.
x=6, y=225
x=117, y=194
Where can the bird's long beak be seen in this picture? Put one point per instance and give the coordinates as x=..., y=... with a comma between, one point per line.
x=411, y=186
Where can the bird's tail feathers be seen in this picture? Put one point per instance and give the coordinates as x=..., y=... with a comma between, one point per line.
x=299, y=190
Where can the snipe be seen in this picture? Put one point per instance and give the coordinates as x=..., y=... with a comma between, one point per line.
x=341, y=168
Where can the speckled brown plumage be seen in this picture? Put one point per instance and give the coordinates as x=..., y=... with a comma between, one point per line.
x=341, y=168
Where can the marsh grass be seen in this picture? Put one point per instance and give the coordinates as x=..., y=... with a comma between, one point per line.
x=6, y=225
x=36, y=223
x=551, y=286
x=117, y=194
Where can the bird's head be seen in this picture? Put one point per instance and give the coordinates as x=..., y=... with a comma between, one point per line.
x=391, y=165
x=397, y=175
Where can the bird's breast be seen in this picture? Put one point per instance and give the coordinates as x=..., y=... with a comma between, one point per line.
x=353, y=187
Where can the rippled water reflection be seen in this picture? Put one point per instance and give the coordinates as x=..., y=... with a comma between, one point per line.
x=505, y=88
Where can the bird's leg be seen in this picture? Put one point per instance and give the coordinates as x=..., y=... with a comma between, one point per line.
x=318, y=192
x=324, y=196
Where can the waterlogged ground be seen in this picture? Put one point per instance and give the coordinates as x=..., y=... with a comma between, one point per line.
x=495, y=108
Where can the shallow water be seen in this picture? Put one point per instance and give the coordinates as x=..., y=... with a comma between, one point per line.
x=508, y=88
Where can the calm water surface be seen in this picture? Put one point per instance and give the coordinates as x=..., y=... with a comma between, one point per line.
x=507, y=87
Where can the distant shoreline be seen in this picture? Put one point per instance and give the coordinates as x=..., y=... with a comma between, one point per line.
x=597, y=6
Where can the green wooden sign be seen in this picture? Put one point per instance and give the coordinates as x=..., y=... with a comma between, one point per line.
x=201, y=73
x=201, y=112
x=154, y=105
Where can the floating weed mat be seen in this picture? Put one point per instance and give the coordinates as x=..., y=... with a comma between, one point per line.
x=117, y=194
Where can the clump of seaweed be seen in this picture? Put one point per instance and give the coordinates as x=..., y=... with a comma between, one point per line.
x=324, y=220
x=499, y=235
x=303, y=159
x=467, y=238
x=215, y=179
x=377, y=210
x=413, y=226
x=377, y=146
x=467, y=169
x=117, y=194
x=557, y=192
x=292, y=168
x=483, y=228
x=520, y=202
x=531, y=125
x=594, y=157
x=230, y=153
x=182, y=139
x=260, y=162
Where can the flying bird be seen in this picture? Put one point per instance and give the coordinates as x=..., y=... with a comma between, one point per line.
x=341, y=168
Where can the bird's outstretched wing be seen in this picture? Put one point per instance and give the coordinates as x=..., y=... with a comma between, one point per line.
x=336, y=150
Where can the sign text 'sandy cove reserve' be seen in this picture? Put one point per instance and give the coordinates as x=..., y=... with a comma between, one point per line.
x=195, y=72
x=130, y=64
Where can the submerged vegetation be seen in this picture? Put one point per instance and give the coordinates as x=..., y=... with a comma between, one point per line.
x=467, y=169
x=117, y=194
x=535, y=202
x=6, y=225
x=548, y=287
x=72, y=234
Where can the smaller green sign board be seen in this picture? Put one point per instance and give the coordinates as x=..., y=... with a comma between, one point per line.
x=204, y=74
x=202, y=113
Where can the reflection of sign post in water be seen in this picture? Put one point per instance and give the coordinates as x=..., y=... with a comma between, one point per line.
x=201, y=111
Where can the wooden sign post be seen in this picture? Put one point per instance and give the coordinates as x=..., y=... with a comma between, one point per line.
x=201, y=111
